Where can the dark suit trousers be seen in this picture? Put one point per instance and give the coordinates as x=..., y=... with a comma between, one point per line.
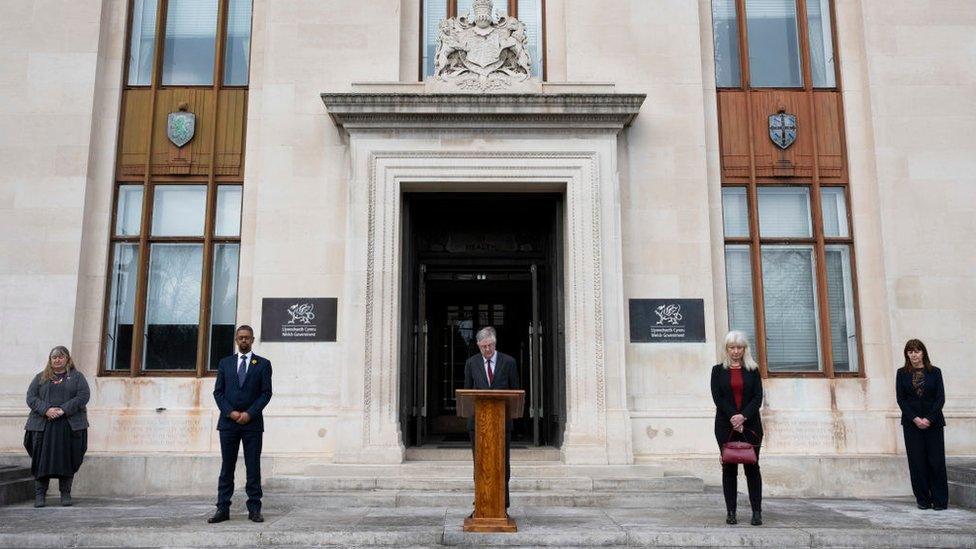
x=927, y=465
x=508, y=460
x=730, y=483
x=230, y=442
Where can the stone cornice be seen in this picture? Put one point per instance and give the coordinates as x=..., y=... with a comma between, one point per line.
x=605, y=112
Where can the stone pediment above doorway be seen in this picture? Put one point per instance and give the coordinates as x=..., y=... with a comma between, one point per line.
x=411, y=106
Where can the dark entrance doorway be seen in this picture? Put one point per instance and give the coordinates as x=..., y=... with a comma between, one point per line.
x=473, y=260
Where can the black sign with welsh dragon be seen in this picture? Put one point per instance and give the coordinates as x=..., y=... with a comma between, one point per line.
x=299, y=319
x=667, y=321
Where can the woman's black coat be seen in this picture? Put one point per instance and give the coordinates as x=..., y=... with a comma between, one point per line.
x=929, y=405
x=725, y=408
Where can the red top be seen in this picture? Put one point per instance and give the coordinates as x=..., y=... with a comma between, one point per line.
x=736, y=374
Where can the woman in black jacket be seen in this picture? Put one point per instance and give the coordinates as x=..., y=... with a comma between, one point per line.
x=921, y=395
x=737, y=392
x=56, y=435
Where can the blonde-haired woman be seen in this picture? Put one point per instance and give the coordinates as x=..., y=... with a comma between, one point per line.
x=737, y=392
x=56, y=435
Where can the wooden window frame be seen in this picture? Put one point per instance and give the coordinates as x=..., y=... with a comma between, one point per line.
x=452, y=12
x=818, y=240
x=149, y=182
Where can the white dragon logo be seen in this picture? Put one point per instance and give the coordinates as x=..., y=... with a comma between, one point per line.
x=301, y=312
x=668, y=314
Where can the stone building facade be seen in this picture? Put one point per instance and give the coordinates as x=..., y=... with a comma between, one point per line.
x=344, y=161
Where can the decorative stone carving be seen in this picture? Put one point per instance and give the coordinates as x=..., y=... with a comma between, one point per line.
x=479, y=53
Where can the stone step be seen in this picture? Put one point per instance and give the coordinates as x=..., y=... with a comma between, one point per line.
x=424, y=453
x=660, y=495
x=519, y=483
x=16, y=485
x=962, y=494
x=962, y=472
x=440, y=469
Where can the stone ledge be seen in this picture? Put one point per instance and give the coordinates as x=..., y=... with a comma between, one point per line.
x=371, y=111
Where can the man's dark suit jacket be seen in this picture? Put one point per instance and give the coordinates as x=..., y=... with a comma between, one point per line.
x=475, y=377
x=251, y=398
x=928, y=406
x=725, y=408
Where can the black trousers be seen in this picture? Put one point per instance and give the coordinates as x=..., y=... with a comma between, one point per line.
x=927, y=464
x=230, y=442
x=730, y=484
x=508, y=460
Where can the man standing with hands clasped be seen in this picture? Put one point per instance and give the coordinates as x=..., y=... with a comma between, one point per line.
x=242, y=391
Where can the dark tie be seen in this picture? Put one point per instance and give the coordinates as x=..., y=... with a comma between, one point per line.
x=491, y=372
x=242, y=371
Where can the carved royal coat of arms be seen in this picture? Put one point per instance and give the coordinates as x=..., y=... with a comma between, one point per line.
x=481, y=52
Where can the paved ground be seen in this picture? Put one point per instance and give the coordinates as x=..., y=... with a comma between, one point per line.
x=676, y=520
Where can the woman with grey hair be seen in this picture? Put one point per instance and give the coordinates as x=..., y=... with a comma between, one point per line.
x=56, y=436
x=737, y=392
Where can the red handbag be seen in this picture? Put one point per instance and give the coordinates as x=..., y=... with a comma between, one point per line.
x=739, y=451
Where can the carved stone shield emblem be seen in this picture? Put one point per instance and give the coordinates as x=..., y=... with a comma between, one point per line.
x=180, y=126
x=782, y=129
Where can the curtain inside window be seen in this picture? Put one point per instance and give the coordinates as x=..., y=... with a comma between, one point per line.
x=821, y=44
x=792, y=332
x=190, y=46
x=785, y=212
x=725, y=33
x=238, y=44
x=840, y=299
x=223, y=304
x=774, y=47
x=738, y=286
x=735, y=212
x=833, y=205
x=530, y=13
x=173, y=306
x=121, y=306
x=141, y=42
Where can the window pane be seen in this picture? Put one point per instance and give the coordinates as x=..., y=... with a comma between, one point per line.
x=228, y=221
x=141, y=42
x=735, y=211
x=223, y=306
x=128, y=213
x=178, y=210
x=789, y=302
x=435, y=11
x=188, y=53
x=834, y=208
x=530, y=13
x=173, y=306
x=238, y=46
x=784, y=212
x=821, y=44
x=121, y=306
x=738, y=285
x=774, y=50
x=725, y=31
x=840, y=303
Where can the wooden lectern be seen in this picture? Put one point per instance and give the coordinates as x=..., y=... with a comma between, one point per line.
x=490, y=410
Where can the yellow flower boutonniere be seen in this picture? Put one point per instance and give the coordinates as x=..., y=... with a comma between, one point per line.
x=254, y=361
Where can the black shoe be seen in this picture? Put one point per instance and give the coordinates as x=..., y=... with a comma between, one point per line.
x=940, y=507
x=64, y=485
x=924, y=505
x=730, y=518
x=40, y=492
x=219, y=516
x=255, y=517
x=756, y=518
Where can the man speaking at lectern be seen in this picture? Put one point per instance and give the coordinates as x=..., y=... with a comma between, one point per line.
x=491, y=370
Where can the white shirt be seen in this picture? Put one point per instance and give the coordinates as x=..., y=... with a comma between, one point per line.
x=247, y=365
x=494, y=363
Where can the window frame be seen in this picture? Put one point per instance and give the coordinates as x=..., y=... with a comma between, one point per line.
x=755, y=241
x=148, y=182
x=452, y=12
x=803, y=37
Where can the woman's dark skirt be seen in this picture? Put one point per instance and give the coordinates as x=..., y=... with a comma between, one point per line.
x=57, y=451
